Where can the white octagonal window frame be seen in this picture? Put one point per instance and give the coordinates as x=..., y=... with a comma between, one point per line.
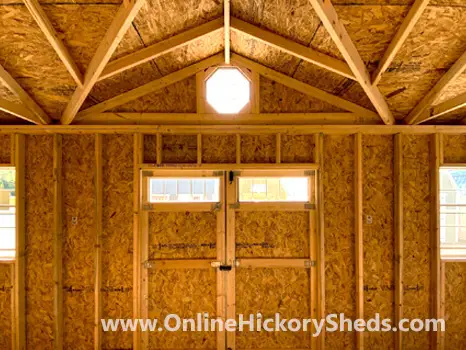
x=228, y=90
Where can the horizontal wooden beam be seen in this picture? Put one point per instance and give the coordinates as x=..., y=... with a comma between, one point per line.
x=403, y=32
x=235, y=129
x=302, y=87
x=303, y=52
x=226, y=119
x=156, y=50
x=49, y=31
x=341, y=38
x=120, y=24
x=274, y=263
x=18, y=110
x=155, y=85
x=420, y=113
x=23, y=96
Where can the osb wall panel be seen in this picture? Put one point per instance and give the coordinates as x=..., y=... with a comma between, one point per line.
x=272, y=234
x=258, y=148
x=150, y=148
x=179, y=148
x=454, y=148
x=284, y=291
x=218, y=149
x=455, y=304
x=416, y=249
x=185, y=293
x=297, y=148
x=117, y=238
x=78, y=162
x=338, y=185
x=378, y=192
x=6, y=317
x=39, y=237
x=182, y=235
x=5, y=148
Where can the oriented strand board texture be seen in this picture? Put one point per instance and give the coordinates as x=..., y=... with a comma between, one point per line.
x=378, y=192
x=78, y=240
x=297, y=148
x=5, y=148
x=276, y=234
x=39, y=237
x=6, y=316
x=184, y=293
x=281, y=290
x=416, y=227
x=455, y=304
x=150, y=148
x=182, y=235
x=454, y=148
x=338, y=183
x=258, y=148
x=218, y=149
x=117, y=238
x=179, y=148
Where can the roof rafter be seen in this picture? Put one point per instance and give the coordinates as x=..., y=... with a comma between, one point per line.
x=421, y=112
x=109, y=43
x=49, y=31
x=23, y=96
x=448, y=106
x=341, y=38
x=302, y=87
x=303, y=52
x=403, y=32
x=226, y=15
x=158, y=49
x=154, y=85
x=18, y=110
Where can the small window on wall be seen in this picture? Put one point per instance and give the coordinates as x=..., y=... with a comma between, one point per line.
x=273, y=189
x=184, y=190
x=7, y=214
x=453, y=213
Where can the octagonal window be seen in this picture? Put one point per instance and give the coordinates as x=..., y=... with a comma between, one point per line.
x=228, y=90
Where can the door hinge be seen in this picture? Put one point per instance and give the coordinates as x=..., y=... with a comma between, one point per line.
x=232, y=174
x=220, y=266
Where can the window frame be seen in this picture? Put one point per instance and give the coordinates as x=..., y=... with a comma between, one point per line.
x=4, y=259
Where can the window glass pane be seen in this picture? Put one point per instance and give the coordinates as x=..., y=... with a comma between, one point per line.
x=273, y=189
x=184, y=190
x=7, y=214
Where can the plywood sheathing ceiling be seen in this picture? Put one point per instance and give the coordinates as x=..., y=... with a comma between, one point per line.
x=436, y=42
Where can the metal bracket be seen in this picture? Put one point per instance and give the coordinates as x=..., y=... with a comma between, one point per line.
x=146, y=173
x=234, y=206
x=216, y=206
x=148, y=264
x=147, y=207
x=218, y=173
x=310, y=263
x=311, y=206
x=309, y=172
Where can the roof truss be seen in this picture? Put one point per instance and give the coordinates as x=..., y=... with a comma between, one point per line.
x=40, y=116
x=421, y=112
x=112, y=38
x=46, y=26
x=405, y=29
x=18, y=110
x=338, y=33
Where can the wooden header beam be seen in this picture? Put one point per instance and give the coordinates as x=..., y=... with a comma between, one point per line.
x=403, y=32
x=18, y=110
x=156, y=50
x=49, y=31
x=337, y=31
x=155, y=85
x=303, y=52
x=421, y=113
x=23, y=96
x=302, y=87
x=125, y=15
